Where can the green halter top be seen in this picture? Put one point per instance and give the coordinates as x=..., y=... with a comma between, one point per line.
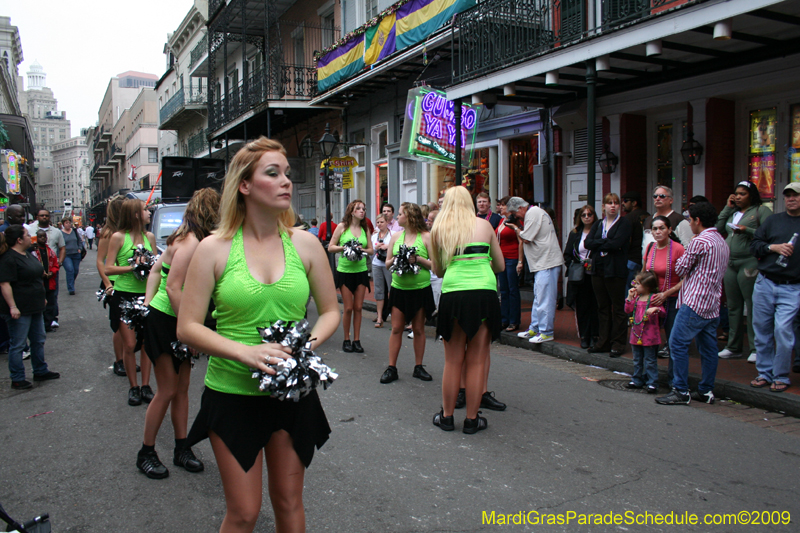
x=470, y=274
x=244, y=304
x=161, y=300
x=410, y=282
x=352, y=267
x=127, y=282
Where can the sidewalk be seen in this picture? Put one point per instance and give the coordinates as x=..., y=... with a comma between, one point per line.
x=733, y=375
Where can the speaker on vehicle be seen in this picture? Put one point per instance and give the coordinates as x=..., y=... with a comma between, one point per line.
x=209, y=173
x=177, y=178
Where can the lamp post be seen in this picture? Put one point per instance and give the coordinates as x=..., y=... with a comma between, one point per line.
x=327, y=144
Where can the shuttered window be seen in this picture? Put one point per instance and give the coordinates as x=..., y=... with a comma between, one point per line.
x=580, y=149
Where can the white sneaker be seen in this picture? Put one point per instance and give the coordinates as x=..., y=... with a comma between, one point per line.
x=527, y=334
x=54, y=324
x=26, y=354
x=540, y=338
x=727, y=354
x=752, y=358
x=410, y=334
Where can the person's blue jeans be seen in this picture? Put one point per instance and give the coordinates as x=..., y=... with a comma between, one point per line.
x=774, y=310
x=672, y=311
x=689, y=325
x=633, y=269
x=72, y=264
x=797, y=339
x=545, y=296
x=29, y=327
x=645, y=364
x=510, y=309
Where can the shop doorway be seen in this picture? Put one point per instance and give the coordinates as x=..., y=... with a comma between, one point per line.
x=381, y=185
x=523, y=154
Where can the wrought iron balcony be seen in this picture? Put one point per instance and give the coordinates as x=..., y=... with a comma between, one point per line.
x=199, y=51
x=172, y=114
x=296, y=82
x=496, y=34
x=197, y=144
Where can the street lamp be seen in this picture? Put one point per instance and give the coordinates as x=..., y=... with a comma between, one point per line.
x=327, y=144
x=307, y=148
x=691, y=151
x=608, y=161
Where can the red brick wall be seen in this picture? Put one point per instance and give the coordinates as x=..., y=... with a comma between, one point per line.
x=719, y=150
x=633, y=155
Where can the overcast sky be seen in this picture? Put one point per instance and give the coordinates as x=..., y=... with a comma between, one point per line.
x=81, y=44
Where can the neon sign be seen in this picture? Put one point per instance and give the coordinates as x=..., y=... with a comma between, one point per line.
x=13, y=175
x=430, y=132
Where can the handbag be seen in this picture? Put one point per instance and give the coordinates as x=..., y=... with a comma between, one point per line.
x=575, y=271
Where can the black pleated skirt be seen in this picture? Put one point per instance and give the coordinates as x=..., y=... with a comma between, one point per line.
x=470, y=309
x=409, y=302
x=115, y=314
x=352, y=280
x=246, y=423
x=159, y=334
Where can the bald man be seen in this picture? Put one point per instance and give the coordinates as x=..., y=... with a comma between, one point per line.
x=14, y=215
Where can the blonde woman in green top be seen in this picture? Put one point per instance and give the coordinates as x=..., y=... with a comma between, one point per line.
x=164, y=292
x=466, y=255
x=258, y=271
x=411, y=297
x=352, y=277
x=133, y=218
x=107, y=282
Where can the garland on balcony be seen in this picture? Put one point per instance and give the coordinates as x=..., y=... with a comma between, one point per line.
x=361, y=29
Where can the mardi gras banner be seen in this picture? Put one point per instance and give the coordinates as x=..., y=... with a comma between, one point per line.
x=379, y=40
x=417, y=19
x=340, y=63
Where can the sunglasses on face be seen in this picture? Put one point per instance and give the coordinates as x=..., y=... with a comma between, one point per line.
x=587, y=215
x=662, y=196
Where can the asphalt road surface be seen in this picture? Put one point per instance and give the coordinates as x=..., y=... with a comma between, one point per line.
x=566, y=447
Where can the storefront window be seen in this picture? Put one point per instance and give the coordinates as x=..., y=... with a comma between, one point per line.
x=524, y=155
x=794, y=151
x=762, y=151
x=477, y=177
x=442, y=178
x=382, y=185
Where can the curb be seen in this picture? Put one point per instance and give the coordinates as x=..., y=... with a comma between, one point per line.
x=788, y=404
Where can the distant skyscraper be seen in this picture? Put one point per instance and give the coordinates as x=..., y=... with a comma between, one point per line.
x=48, y=125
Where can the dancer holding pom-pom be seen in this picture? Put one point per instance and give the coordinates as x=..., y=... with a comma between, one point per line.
x=258, y=271
x=352, y=277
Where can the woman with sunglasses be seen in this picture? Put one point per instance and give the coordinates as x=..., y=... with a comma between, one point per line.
x=740, y=219
x=580, y=294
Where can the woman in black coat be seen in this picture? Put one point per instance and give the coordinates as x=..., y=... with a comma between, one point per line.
x=609, y=240
x=580, y=294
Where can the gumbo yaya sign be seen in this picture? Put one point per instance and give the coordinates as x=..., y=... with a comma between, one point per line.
x=429, y=131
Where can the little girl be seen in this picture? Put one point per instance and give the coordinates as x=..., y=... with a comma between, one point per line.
x=645, y=331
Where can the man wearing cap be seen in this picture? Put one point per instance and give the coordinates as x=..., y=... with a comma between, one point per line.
x=632, y=205
x=776, y=295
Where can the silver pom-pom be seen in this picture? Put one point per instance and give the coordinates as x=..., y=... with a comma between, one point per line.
x=142, y=261
x=297, y=376
x=104, y=297
x=182, y=352
x=352, y=250
x=402, y=264
x=133, y=312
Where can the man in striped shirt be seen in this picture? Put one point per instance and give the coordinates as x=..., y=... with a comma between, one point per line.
x=702, y=267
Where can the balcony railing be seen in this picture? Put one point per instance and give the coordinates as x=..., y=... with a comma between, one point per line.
x=297, y=82
x=184, y=97
x=498, y=33
x=198, y=51
x=197, y=144
x=213, y=7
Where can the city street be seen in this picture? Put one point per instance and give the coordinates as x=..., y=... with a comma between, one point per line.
x=565, y=444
